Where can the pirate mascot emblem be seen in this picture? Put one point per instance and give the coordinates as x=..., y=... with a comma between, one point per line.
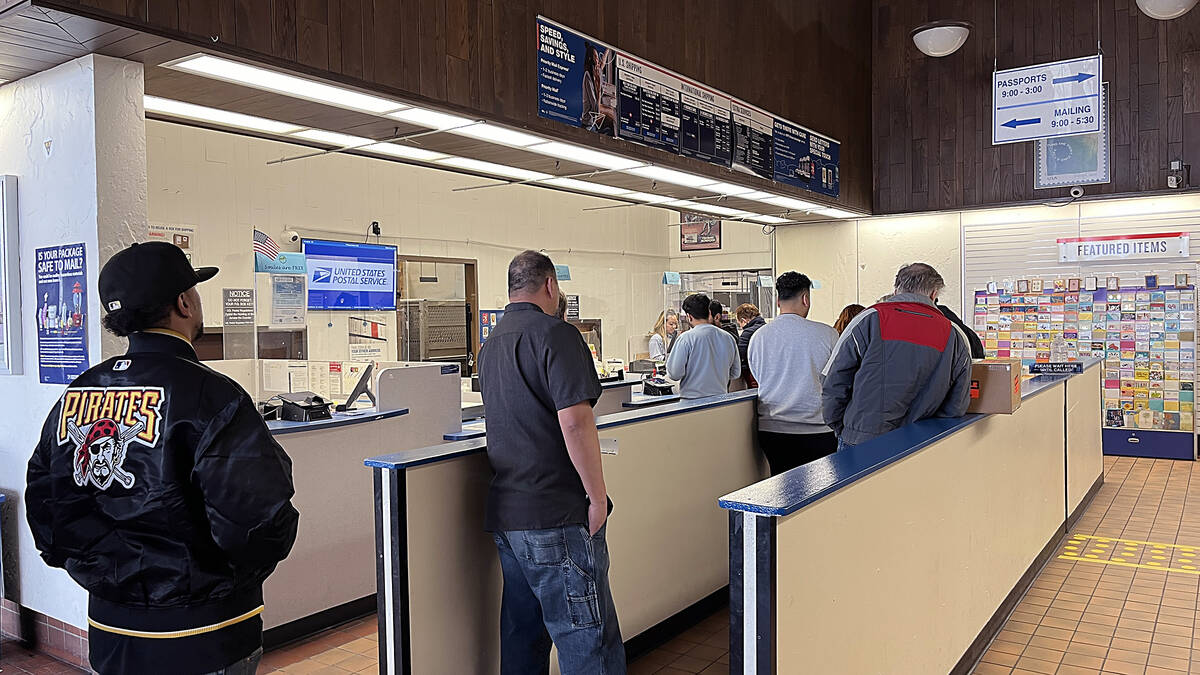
x=101, y=452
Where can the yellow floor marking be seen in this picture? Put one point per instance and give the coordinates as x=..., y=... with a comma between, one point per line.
x=1135, y=541
x=1160, y=551
x=1121, y=563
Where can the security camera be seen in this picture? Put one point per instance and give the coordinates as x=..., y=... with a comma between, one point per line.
x=1076, y=192
x=291, y=235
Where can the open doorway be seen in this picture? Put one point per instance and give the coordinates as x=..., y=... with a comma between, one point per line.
x=435, y=310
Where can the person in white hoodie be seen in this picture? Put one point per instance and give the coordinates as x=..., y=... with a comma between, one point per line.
x=786, y=357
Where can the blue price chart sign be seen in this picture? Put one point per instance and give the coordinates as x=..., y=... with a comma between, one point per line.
x=1046, y=100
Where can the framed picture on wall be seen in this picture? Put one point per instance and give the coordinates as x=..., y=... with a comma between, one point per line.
x=1022, y=285
x=1060, y=284
x=1089, y=284
x=991, y=287
x=1075, y=160
x=1073, y=285
x=1151, y=281
x=1181, y=280
x=1035, y=286
x=1113, y=284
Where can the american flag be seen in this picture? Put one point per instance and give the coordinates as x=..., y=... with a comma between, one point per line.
x=265, y=245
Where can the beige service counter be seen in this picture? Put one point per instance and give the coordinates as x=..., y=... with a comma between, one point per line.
x=905, y=554
x=438, y=572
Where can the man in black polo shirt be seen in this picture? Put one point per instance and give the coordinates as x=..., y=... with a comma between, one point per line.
x=547, y=504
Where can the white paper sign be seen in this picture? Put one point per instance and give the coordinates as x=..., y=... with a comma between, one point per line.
x=1046, y=100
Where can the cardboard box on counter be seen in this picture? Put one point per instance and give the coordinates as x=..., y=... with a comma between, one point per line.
x=995, y=386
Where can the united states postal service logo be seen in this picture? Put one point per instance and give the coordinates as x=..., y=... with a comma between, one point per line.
x=100, y=424
x=322, y=275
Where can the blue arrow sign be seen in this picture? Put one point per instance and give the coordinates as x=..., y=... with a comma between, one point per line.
x=1077, y=77
x=1014, y=123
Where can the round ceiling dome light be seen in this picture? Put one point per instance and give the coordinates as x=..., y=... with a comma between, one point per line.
x=1164, y=10
x=942, y=38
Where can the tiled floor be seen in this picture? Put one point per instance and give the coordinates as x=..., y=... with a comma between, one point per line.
x=703, y=648
x=1120, y=595
x=15, y=660
x=351, y=648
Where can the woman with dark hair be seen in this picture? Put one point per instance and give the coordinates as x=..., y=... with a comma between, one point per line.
x=848, y=313
x=596, y=115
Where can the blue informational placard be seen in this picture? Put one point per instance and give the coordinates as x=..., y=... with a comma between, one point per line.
x=488, y=319
x=576, y=82
x=806, y=160
x=344, y=275
x=62, y=314
x=589, y=84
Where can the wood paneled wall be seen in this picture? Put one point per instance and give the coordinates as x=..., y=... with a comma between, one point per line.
x=932, y=126
x=807, y=61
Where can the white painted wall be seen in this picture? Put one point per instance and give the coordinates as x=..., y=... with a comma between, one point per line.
x=743, y=247
x=857, y=260
x=221, y=184
x=89, y=188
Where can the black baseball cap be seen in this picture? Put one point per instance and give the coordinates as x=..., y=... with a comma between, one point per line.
x=148, y=275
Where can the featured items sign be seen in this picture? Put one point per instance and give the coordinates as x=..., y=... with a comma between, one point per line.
x=61, y=313
x=588, y=84
x=1124, y=247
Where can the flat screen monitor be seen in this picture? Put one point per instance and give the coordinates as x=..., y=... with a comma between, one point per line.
x=345, y=275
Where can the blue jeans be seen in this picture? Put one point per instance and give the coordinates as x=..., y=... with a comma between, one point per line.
x=556, y=590
x=246, y=666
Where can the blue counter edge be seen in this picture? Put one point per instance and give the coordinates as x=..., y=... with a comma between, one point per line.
x=435, y=453
x=791, y=491
x=280, y=427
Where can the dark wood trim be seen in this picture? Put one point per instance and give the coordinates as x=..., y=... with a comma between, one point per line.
x=1074, y=516
x=974, y=652
x=312, y=624
x=668, y=629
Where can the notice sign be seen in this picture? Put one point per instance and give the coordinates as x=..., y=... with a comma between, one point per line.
x=238, y=304
x=1047, y=100
x=1063, y=368
x=61, y=313
x=1125, y=247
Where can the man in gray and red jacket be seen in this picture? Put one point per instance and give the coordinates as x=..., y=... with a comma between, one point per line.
x=897, y=362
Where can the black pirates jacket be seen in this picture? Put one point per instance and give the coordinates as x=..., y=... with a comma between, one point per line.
x=160, y=490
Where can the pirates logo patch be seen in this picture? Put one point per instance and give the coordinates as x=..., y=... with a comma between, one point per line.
x=101, y=423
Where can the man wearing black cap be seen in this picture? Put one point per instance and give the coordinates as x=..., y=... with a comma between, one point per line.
x=158, y=487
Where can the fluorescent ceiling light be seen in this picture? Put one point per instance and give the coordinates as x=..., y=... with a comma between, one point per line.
x=580, y=155
x=647, y=197
x=790, y=203
x=333, y=138
x=585, y=186
x=770, y=220
x=495, y=134
x=280, y=83
x=706, y=208
x=729, y=189
x=671, y=176
x=404, y=152
x=493, y=169
x=430, y=118
x=756, y=195
x=836, y=213
x=166, y=106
